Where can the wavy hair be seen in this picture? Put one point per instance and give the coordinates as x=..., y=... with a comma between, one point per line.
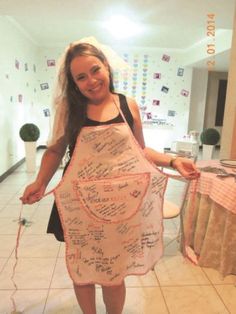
x=69, y=94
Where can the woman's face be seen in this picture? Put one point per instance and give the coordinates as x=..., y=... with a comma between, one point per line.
x=91, y=76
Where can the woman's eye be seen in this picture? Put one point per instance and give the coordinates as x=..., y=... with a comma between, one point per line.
x=96, y=69
x=80, y=78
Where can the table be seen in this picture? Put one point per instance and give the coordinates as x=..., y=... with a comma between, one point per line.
x=210, y=221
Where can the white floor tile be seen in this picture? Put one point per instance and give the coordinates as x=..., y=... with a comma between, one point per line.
x=8, y=244
x=8, y=225
x=14, y=210
x=169, y=226
x=27, y=301
x=38, y=227
x=7, y=197
x=62, y=249
x=63, y=301
x=3, y=261
x=215, y=277
x=43, y=211
x=228, y=295
x=148, y=280
x=30, y=273
x=148, y=300
x=171, y=244
x=61, y=278
x=175, y=270
x=194, y=300
x=9, y=188
x=38, y=246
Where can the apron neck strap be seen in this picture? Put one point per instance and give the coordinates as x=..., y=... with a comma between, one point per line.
x=120, y=110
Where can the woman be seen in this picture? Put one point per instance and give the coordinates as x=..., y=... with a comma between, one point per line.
x=87, y=107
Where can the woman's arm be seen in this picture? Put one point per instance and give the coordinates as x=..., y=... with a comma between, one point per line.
x=49, y=164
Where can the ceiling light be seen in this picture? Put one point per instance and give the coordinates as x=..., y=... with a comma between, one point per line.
x=121, y=27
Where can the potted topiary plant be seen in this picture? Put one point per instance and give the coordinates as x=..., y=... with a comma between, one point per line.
x=209, y=138
x=30, y=133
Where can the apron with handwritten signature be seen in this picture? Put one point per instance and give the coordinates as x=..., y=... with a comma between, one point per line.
x=110, y=204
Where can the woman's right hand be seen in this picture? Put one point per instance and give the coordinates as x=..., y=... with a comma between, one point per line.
x=33, y=193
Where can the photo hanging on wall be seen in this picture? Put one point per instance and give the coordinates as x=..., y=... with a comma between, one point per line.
x=165, y=89
x=157, y=76
x=143, y=108
x=17, y=64
x=165, y=58
x=156, y=102
x=44, y=86
x=180, y=72
x=51, y=63
x=149, y=115
x=171, y=113
x=184, y=93
x=46, y=112
x=20, y=98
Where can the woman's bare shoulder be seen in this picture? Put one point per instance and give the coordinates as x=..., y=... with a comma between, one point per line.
x=133, y=106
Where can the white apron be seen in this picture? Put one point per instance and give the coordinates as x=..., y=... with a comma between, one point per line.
x=110, y=203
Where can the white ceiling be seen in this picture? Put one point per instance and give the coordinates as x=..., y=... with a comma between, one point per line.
x=170, y=24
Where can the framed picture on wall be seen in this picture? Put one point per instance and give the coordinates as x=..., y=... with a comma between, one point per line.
x=184, y=92
x=46, y=112
x=171, y=113
x=165, y=58
x=156, y=102
x=149, y=115
x=143, y=108
x=17, y=64
x=44, y=86
x=20, y=98
x=165, y=89
x=51, y=63
x=180, y=72
x=157, y=76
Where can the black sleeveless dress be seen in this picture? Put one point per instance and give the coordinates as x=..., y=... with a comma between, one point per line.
x=54, y=224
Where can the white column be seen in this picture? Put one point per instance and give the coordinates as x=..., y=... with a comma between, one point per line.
x=228, y=137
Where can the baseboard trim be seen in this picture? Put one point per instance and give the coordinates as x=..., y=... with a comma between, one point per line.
x=18, y=164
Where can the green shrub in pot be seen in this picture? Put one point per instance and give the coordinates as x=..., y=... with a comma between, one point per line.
x=29, y=132
x=210, y=136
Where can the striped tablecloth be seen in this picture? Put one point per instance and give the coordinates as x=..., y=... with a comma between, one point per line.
x=210, y=221
x=221, y=191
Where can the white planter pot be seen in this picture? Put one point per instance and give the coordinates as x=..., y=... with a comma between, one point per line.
x=30, y=156
x=207, y=151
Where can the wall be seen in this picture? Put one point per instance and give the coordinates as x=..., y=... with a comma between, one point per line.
x=162, y=88
x=18, y=91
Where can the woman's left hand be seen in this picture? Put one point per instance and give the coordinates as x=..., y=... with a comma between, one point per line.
x=186, y=168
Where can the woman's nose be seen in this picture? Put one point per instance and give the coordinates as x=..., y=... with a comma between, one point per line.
x=91, y=79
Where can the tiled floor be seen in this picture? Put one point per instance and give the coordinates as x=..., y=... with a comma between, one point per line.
x=175, y=286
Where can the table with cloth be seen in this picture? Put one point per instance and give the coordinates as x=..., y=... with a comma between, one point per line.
x=210, y=219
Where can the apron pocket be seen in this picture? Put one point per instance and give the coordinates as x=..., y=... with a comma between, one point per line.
x=112, y=200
